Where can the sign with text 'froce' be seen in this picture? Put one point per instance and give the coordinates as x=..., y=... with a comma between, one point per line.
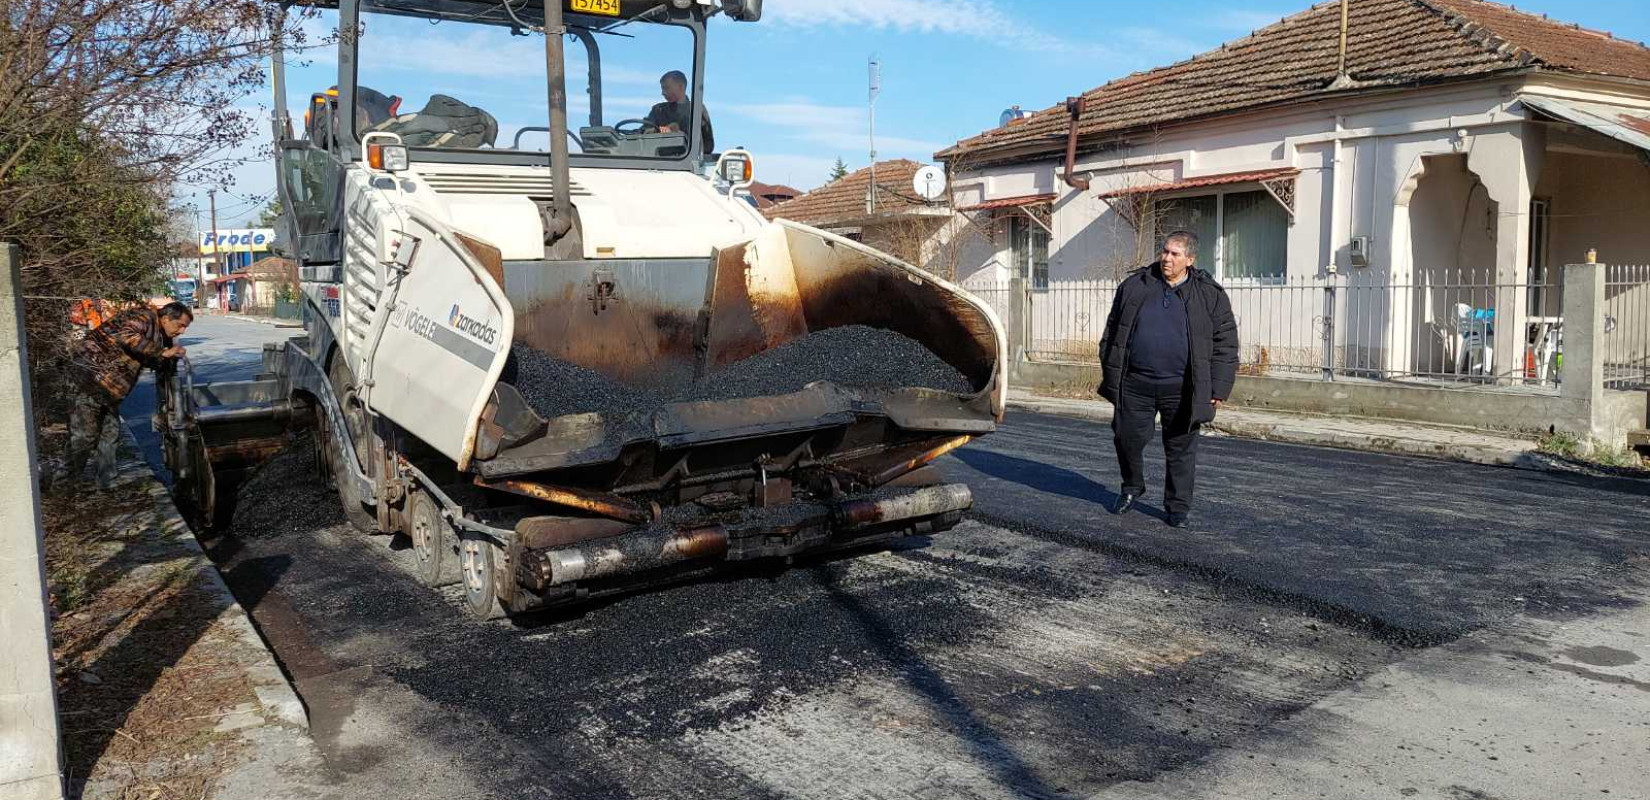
x=236, y=240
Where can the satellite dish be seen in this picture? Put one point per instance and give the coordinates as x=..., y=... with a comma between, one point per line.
x=1011, y=114
x=929, y=183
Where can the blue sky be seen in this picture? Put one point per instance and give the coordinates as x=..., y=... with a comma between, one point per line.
x=792, y=88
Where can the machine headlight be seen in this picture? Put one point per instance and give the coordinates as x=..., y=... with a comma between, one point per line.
x=735, y=167
x=387, y=157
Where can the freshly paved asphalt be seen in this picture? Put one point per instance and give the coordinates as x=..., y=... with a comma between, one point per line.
x=1043, y=649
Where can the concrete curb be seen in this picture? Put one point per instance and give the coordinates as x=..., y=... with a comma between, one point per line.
x=274, y=692
x=1407, y=440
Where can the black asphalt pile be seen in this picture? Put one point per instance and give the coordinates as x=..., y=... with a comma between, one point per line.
x=853, y=357
x=555, y=388
x=286, y=495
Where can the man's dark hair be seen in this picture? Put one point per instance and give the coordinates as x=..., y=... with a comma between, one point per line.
x=176, y=310
x=1187, y=239
x=674, y=75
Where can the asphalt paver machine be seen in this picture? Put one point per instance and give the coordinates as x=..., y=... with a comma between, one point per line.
x=436, y=248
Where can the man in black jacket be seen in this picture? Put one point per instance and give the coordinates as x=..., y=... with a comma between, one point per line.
x=1170, y=347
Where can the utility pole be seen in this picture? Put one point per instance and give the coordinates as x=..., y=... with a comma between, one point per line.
x=32, y=764
x=217, y=246
x=876, y=89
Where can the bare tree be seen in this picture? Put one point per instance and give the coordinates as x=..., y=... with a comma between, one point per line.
x=104, y=106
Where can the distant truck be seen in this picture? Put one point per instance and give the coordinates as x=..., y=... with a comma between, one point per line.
x=569, y=374
x=182, y=289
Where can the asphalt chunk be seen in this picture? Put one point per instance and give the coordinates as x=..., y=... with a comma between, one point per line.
x=853, y=357
x=285, y=496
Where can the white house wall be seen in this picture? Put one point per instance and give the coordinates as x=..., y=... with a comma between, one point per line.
x=1379, y=146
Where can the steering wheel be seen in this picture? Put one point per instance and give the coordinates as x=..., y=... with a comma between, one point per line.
x=639, y=126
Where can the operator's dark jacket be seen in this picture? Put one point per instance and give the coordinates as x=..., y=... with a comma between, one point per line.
x=112, y=355
x=1213, y=333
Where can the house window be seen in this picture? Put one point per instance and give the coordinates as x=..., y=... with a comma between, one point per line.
x=1029, y=243
x=1195, y=214
x=1241, y=235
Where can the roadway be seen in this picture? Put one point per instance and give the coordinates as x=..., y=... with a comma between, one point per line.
x=1333, y=624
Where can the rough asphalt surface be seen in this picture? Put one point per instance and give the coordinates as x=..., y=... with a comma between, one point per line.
x=853, y=357
x=1042, y=649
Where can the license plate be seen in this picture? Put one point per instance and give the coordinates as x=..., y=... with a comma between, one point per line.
x=608, y=8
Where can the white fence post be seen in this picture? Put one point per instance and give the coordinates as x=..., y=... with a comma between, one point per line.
x=1018, y=322
x=1583, y=372
x=31, y=762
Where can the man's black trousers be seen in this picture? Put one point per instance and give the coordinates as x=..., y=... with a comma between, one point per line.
x=1139, y=403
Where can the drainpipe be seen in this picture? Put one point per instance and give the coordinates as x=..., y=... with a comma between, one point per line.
x=1342, y=79
x=561, y=218
x=1337, y=169
x=1074, y=107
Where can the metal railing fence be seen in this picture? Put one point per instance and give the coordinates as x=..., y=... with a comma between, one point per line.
x=1626, y=346
x=1454, y=327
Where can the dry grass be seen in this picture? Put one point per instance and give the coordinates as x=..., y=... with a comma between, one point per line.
x=144, y=670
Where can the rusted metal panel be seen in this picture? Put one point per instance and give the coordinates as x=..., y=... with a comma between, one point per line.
x=724, y=420
x=641, y=333
x=920, y=461
x=608, y=505
x=1624, y=125
x=538, y=533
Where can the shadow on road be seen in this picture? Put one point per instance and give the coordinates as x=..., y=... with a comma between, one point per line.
x=988, y=748
x=1044, y=477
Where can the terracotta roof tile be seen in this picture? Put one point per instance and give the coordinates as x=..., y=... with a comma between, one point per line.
x=1011, y=202
x=768, y=195
x=1391, y=43
x=844, y=198
x=1210, y=180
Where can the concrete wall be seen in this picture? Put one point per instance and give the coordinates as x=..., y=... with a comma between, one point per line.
x=1600, y=202
x=1529, y=414
x=30, y=760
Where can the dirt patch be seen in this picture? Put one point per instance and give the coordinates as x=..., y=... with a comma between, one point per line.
x=144, y=670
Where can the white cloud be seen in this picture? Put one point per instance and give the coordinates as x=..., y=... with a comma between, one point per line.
x=1158, y=46
x=796, y=171
x=1245, y=20
x=841, y=127
x=478, y=53
x=980, y=19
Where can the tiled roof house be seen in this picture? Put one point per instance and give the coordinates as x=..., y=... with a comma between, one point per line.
x=1391, y=45
x=768, y=195
x=1445, y=138
x=843, y=202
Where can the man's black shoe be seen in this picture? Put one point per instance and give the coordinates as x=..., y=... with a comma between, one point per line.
x=1179, y=519
x=1124, y=504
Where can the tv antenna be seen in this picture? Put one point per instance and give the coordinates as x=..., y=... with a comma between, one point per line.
x=875, y=69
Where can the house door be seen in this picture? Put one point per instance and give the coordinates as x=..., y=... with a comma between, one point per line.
x=1030, y=248
x=1543, y=283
